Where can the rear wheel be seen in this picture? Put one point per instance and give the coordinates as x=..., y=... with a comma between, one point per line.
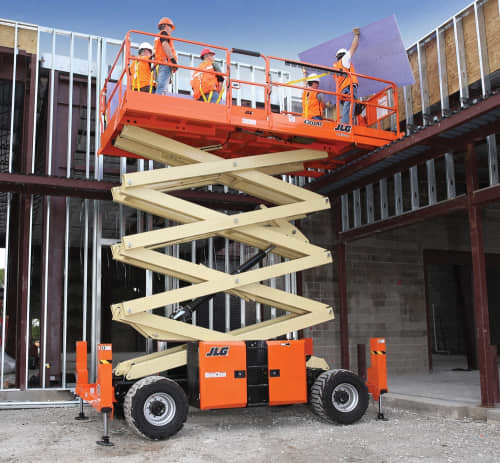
x=155, y=407
x=339, y=396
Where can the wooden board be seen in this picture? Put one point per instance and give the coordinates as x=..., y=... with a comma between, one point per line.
x=26, y=38
x=415, y=88
x=430, y=50
x=492, y=26
x=471, y=50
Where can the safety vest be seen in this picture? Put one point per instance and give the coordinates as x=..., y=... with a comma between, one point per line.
x=160, y=54
x=203, y=83
x=311, y=106
x=141, y=75
x=343, y=81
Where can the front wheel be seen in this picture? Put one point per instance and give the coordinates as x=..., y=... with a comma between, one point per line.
x=339, y=396
x=155, y=407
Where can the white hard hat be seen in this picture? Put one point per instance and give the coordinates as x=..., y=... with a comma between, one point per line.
x=341, y=51
x=146, y=45
x=312, y=77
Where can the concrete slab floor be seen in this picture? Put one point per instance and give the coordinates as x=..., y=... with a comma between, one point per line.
x=279, y=434
x=444, y=382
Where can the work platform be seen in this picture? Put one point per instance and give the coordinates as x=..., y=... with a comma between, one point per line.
x=231, y=130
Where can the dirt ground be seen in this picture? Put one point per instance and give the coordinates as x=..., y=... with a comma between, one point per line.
x=284, y=434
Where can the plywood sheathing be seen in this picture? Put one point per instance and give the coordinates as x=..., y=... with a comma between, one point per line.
x=26, y=39
x=492, y=26
x=471, y=51
x=430, y=50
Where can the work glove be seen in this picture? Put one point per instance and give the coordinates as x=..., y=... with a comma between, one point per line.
x=356, y=31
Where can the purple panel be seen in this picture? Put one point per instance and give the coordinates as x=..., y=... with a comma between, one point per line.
x=113, y=106
x=380, y=54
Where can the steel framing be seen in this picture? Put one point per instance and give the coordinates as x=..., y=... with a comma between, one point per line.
x=64, y=51
x=475, y=122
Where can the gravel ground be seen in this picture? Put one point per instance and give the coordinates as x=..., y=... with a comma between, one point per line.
x=283, y=434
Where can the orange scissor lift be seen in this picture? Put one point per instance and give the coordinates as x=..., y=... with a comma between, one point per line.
x=247, y=149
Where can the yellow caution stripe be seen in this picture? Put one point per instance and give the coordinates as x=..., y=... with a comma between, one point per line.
x=378, y=352
x=105, y=362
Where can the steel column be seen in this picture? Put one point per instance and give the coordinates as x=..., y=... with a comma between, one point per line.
x=487, y=371
x=341, y=267
x=443, y=73
x=461, y=65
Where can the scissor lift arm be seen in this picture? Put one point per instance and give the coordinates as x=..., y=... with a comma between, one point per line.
x=264, y=228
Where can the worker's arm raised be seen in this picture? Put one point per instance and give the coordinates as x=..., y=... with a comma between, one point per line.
x=355, y=41
x=165, y=43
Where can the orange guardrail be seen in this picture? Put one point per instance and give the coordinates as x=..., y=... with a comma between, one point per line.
x=377, y=106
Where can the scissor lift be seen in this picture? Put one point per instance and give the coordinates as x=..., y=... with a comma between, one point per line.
x=245, y=149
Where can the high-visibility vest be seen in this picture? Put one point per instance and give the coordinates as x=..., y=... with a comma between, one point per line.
x=203, y=83
x=311, y=106
x=141, y=74
x=343, y=81
x=160, y=54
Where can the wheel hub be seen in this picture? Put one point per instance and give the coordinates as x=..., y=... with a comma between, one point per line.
x=159, y=409
x=345, y=397
x=341, y=397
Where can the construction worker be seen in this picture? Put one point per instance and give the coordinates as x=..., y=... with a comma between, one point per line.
x=142, y=76
x=165, y=53
x=346, y=83
x=313, y=103
x=206, y=86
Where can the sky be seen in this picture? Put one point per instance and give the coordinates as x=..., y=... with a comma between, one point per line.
x=279, y=28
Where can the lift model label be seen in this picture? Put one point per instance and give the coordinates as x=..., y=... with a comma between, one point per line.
x=314, y=123
x=218, y=352
x=343, y=128
x=215, y=374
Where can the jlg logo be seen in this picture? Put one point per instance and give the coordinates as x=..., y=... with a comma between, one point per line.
x=218, y=352
x=343, y=128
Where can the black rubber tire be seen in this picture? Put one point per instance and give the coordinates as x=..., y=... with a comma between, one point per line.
x=146, y=389
x=323, y=403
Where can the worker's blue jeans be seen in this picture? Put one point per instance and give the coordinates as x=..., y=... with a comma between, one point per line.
x=213, y=98
x=162, y=79
x=346, y=104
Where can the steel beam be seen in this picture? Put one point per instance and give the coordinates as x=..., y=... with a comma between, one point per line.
x=425, y=137
x=408, y=218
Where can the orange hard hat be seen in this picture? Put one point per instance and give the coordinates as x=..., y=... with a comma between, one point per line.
x=166, y=21
x=206, y=51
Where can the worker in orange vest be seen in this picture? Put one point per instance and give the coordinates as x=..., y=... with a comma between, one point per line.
x=142, y=76
x=206, y=86
x=347, y=83
x=165, y=53
x=313, y=103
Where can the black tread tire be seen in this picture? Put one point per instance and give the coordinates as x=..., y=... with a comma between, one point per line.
x=321, y=396
x=133, y=407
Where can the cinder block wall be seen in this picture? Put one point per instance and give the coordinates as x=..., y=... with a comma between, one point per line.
x=386, y=287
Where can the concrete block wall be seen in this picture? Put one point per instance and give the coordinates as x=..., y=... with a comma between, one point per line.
x=386, y=286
